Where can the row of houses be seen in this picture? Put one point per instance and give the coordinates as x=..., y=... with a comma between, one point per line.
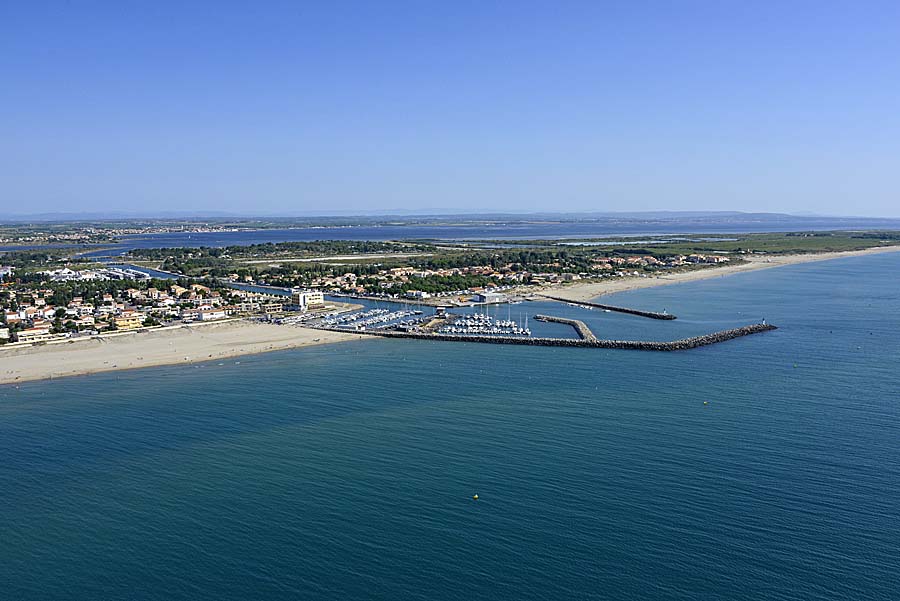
x=32, y=316
x=387, y=279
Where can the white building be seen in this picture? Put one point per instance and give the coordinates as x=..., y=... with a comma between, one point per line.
x=35, y=335
x=489, y=297
x=307, y=299
x=212, y=314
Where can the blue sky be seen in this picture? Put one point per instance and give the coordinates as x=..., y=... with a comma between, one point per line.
x=273, y=107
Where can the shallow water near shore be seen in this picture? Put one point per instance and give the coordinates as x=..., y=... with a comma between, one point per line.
x=347, y=471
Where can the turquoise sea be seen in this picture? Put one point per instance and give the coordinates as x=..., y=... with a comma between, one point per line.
x=347, y=471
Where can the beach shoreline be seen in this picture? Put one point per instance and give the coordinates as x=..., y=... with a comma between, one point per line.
x=585, y=291
x=196, y=343
x=166, y=346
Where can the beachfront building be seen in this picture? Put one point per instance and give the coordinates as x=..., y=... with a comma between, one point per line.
x=307, y=299
x=129, y=322
x=417, y=294
x=212, y=314
x=489, y=297
x=271, y=307
x=246, y=307
x=86, y=322
x=35, y=335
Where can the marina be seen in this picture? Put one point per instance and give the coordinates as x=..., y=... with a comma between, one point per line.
x=378, y=318
x=484, y=325
x=496, y=325
x=481, y=327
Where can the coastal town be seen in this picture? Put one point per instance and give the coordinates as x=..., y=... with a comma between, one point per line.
x=69, y=303
x=413, y=283
x=35, y=314
x=57, y=295
x=74, y=234
x=70, y=310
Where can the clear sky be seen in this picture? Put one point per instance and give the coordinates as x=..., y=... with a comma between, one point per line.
x=271, y=107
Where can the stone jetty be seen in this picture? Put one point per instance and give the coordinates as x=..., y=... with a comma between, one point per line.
x=637, y=345
x=638, y=312
x=581, y=328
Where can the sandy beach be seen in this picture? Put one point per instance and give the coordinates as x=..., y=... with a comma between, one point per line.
x=585, y=291
x=188, y=344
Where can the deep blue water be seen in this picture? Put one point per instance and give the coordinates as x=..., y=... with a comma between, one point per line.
x=347, y=471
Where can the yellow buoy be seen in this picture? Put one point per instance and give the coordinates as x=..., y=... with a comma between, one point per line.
x=474, y=497
x=706, y=402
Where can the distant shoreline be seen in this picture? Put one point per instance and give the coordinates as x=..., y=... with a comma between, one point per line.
x=585, y=291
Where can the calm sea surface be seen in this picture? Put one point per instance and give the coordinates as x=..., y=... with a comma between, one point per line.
x=347, y=471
